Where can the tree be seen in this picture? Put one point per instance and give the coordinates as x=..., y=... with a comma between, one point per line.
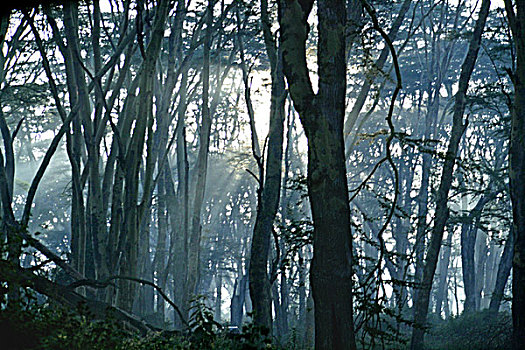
x=270, y=186
x=322, y=117
x=517, y=171
x=422, y=298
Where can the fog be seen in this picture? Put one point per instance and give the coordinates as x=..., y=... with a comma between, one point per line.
x=182, y=162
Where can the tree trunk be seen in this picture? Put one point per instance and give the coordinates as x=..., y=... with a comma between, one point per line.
x=442, y=293
x=517, y=173
x=441, y=214
x=322, y=116
x=378, y=64
x=237, y=302
x=179, y=215
x=270, y=187
x=469, y=237
x=201, y=167
x=468, y=240
x=132, y=211
x=504, y=267
x=309, y=323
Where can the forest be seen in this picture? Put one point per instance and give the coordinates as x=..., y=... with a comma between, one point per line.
x=289, y=174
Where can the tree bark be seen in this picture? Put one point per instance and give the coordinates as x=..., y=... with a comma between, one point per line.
x=270, y=187
x=133, y=158
x=237, y=301
x=442, y=291
x=504, y=267
x=201, y=167
x=322, y=116
x=517, y=172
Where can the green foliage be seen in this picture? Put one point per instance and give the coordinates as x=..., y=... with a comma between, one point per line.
x=202, y=325
x=473, y=331
x=254, y=337
x=31, y=326
x=206, y=333
x=28, y=325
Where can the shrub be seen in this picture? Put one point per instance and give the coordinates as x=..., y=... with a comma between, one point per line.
x=479, y=330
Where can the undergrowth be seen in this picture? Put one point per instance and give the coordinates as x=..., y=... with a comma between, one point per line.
x=50, y=327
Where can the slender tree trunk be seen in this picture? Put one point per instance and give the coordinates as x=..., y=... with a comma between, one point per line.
x=481, y=267
x=179, y=215
x=441, y=297
x=302, y=296
x=218, y=294
x=422, y=197
x=441, y=214
x=73, y=142
x=161, y=249
x=504, y=267
x=132, y=211
x=201, y=167
x=277, y=324
x=238, y=298
x=270, y=187
x=491, y=269
x=378, y=64
x=284, y=295
x=7, y=177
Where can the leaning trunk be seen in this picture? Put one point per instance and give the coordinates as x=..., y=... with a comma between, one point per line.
x=441, y=213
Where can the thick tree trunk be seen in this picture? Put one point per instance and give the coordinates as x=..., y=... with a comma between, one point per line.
x=309, y=323
x=441, y=215
x=517, y=173
x=469, y=230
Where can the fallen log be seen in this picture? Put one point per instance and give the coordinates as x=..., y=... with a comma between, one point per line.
x=66, y=296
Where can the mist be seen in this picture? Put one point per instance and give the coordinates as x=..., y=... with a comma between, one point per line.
x=250, y=175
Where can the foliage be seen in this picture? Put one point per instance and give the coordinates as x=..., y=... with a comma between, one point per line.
x=32, y=326
x=201, y=324
x=29, y=325
x=479, y=330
